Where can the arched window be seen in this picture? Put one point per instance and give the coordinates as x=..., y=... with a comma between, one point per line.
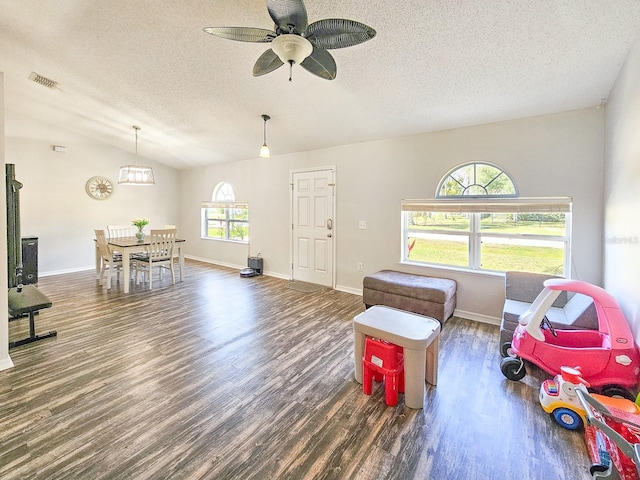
x=477, y=179
x=223, y=218
x=223, y=193
x=477, y=221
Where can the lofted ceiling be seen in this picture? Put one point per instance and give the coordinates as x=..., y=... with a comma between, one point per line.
x=434, y=65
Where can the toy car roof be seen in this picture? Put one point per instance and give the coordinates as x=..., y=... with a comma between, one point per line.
x=611, y=319
x=599, y=295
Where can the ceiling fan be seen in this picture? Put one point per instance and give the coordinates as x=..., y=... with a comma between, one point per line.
x=295, y=41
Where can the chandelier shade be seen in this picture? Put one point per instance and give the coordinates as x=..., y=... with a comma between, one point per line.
x=136, y=175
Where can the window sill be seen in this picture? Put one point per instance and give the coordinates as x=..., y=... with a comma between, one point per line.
x=445, y=268
x=241, y=242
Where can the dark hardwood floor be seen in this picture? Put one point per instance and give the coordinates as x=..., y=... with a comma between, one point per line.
x=222, y=377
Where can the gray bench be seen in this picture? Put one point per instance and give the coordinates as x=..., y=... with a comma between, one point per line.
x=430, y=296
x=522, y=288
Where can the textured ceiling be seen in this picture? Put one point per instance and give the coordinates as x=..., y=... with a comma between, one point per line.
x=433, y=65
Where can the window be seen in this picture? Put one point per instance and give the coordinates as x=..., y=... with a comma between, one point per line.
x=223, y=218
x=477, y=179
x=483, y=226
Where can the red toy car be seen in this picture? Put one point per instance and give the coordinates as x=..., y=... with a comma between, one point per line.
x=608, y=357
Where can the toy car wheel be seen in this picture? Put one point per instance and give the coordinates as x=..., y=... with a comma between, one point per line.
x=505, y=350
x=616, y=391
x=567, y=418
x=513, y=368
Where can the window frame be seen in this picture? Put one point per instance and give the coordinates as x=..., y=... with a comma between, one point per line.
x=475, y=207
x=223, y=198
x=466, y=188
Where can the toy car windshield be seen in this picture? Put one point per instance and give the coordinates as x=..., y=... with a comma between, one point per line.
x=536, y=312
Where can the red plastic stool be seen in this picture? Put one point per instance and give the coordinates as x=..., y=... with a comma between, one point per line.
x=383, y=360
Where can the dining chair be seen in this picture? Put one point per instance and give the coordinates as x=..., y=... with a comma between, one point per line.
x=111, y=261
x=116, y=231
x=159, y=254
x=173, y=227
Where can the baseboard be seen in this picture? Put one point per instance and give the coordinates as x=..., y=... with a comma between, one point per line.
x=211, y=262
x=67, y=270
x=354, y=291
x=276, y=275
x=6, y=363
x=237, y=267
x=477, y=317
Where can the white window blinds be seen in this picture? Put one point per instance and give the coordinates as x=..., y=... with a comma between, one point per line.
x=230, y=205
x=491, y=205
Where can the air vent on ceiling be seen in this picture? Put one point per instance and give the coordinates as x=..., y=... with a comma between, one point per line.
x=47, y=82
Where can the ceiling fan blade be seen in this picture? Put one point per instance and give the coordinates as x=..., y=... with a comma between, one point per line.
x=267, y=63
x=321, y=63
x=287, y=13
x=338, y=33
x=242, y=34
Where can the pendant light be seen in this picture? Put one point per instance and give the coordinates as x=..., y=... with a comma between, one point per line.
x=264, y=151
x=136, y=174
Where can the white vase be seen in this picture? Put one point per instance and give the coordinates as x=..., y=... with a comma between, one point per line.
x=140, y=235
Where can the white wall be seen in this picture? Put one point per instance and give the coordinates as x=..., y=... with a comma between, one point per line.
x=55, y=207
x=622, y=187
x=552, y=155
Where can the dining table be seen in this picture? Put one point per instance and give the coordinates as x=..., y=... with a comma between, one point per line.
x=128, y=245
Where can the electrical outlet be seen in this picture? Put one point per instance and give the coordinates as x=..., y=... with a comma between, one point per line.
x=362, y=224
x=359, y=266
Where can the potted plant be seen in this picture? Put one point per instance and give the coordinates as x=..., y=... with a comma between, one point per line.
x=140, y=223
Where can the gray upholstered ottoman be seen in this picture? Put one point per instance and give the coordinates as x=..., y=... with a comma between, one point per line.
x=430, y=296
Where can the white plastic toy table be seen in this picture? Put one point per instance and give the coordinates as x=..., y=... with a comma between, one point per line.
x=418, y=335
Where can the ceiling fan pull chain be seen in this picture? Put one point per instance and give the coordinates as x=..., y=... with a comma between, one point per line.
x=290, y=69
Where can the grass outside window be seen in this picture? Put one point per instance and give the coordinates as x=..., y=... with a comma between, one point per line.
x=495, y=242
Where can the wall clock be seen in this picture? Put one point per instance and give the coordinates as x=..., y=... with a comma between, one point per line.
x=99, y=188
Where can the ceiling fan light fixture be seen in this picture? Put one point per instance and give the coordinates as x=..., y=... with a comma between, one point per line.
x=136, y=174
x=291, y=48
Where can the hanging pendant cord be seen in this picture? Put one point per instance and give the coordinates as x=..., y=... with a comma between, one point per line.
x=136, y=128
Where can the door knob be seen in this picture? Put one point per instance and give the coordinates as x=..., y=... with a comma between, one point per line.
x=329, y=235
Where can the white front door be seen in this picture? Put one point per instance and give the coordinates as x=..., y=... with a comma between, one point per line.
x=313, y=226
